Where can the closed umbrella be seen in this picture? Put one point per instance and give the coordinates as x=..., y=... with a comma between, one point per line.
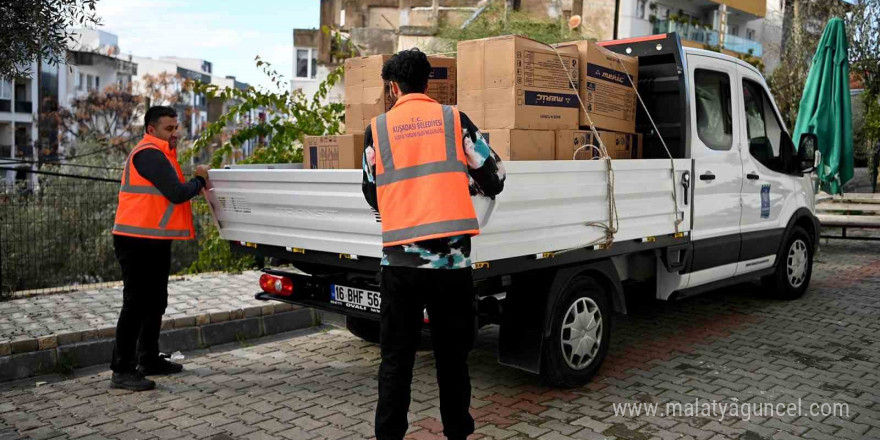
x=825, y=108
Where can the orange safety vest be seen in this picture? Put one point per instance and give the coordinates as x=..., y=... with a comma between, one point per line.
x=421, y=172
x=143, y=211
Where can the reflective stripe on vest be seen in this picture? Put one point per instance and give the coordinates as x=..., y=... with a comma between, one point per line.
x=391, y=175
x=455, y=216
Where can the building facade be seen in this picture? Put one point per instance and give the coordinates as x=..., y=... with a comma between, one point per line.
x=18, y=128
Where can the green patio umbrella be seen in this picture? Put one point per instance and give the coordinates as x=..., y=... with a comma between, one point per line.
x=825, y=108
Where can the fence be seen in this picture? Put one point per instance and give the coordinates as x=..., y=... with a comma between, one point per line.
x=57, y=236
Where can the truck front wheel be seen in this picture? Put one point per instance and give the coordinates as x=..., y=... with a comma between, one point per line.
x=580, y=334
x=793, y=271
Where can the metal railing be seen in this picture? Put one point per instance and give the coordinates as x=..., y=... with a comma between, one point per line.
x=700, y=34
x=57, y=236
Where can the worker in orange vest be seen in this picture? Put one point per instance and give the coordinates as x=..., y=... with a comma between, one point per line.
x=154, y=209
x=422, y=161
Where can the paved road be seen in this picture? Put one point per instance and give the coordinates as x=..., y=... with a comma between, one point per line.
x=732, y=346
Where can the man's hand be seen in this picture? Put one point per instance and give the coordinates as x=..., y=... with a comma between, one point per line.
x=202, y=171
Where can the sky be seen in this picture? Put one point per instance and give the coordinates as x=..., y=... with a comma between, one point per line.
x=227, y=33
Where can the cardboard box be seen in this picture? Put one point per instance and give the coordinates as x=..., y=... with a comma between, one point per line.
x=605, y=87
x=345, y=151
x=521, y=144
x=367, y=95
x=619, y=145
x=513, y=82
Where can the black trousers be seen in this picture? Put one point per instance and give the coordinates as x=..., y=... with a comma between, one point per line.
x=145, y=267
x=449, y=298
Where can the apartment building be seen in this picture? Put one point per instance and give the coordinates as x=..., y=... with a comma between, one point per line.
x=218, y=107
x=192, y=108
x=735, y=26
x=18, y=127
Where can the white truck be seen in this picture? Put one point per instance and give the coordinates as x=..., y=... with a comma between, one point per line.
x=743, y=208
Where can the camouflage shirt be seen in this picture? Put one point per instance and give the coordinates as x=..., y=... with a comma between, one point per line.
x=486, y=178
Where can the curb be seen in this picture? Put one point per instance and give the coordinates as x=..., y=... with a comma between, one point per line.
x=64, y=352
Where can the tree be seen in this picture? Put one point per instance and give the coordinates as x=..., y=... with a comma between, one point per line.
x=802, y=29
x=107, y=117
x=32, y=30
x=290, y=116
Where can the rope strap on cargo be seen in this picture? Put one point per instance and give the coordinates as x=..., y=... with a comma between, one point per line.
x=662, y=141
x=613, y=221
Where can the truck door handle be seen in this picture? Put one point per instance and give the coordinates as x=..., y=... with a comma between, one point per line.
x=707, y=176
x=752, y=176
x=686, y=184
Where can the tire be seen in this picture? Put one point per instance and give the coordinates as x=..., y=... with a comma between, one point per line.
x=582, y=303
x=363, y=328
x=794, y=269
x=368, y=330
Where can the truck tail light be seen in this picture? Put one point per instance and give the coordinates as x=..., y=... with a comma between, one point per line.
x=276, y=285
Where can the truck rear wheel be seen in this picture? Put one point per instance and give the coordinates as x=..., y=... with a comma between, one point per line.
x=580, y=334
x=365, y=329
x=793, y=271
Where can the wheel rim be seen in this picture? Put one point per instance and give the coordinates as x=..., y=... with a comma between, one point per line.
x=581, y=333
x=798, y=257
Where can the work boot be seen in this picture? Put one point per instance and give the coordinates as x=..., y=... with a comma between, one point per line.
x=160, y=367
x=132, y=381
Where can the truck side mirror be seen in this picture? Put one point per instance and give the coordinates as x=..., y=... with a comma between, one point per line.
x=807, y=148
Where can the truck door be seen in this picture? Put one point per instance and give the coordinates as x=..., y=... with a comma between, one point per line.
x=767, y=188
x=717, y=168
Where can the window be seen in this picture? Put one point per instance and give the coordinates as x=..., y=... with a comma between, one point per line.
x=767, y=140
x=90, y=82
x=714, y=122
x=80, y=79
x=5, y=90
x=734, y=30
x=306, y=63
x=750, y=34
x=641, y=7
x=97, y=83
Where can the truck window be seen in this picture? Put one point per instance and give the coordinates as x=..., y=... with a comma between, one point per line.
x=714, y=122
x=764, y=130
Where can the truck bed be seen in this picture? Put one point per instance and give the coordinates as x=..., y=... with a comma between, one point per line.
x=545, y=207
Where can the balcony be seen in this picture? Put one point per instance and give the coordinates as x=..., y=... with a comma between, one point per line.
x=24, y=107
x=701, y=34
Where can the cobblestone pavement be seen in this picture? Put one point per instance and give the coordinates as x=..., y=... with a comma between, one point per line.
x=99, y=308
x=732, y=345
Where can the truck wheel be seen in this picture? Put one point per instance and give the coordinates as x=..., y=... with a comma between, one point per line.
x=365, y=329
x=793, y=271
x=368, y=330
x=580, y=334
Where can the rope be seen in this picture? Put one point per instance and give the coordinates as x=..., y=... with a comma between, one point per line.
x=662, y=141
x=613, y=220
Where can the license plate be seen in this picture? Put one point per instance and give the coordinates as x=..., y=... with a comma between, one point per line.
x=354, y=298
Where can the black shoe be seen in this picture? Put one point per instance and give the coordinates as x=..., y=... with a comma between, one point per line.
x=134, y=381
x=160, y=367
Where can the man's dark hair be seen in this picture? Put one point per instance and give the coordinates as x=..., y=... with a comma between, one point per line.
x=155, y=112
x=410, y=69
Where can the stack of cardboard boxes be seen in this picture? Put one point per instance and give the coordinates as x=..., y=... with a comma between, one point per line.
x=610, y=101
x=367, y=95
x=522, y=94
x=518, y=91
